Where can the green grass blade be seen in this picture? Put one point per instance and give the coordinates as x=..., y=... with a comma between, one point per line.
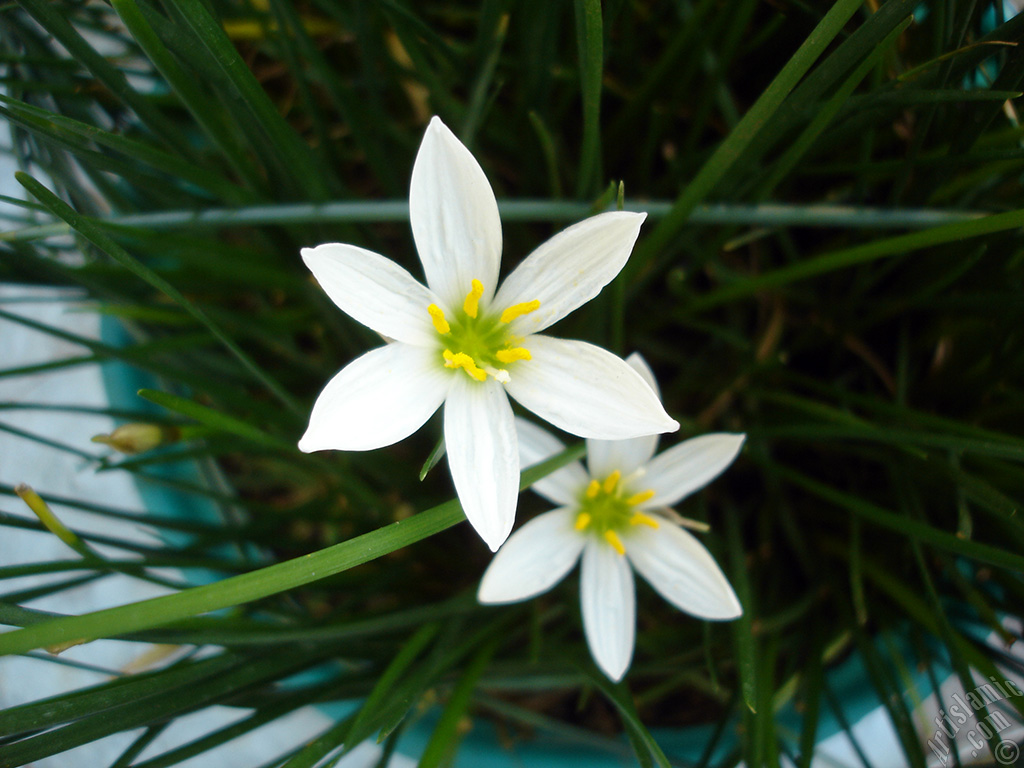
x=173, y=523
x=131, y=567
x=63, y=128
x=547, y=148
x=256, y=632
x=68, y=707
x=140, y=175
x=288, y=36
x=491, y=50
x=216, y=420
x=50, y=18
x=210, y=563
x=56, y=526
x=311, y=754
x=860, y=254
x=366, y=719
x=268, y=581
x=764, y=214
x=305, y=173
x=798, y=148
x=136, y=748
x=208, y=116
x=236, y=590
x=423, y=48
x=590, y=46
x=889, y=693
x=436, y=454
x=144, y=356
x=94, y=234
x=49, y=443
x=811, y=696
x=742, y=627
x=361, y=117
x=152, y=710
x=647, y=749
x=918, y=530
x=50, y=588
x=824, y=79
x=744, y=133
x=454, y=644
x=443, y=743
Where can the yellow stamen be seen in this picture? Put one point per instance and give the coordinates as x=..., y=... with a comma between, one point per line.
x=464, y=361
x=582, y=520
x=639, y=518
x=437, y=318
x=613, y=538
x=640, y=498
x=593, y=489
x=511, y=355
x=518, y=310
x=472, y=302
x=611, y=481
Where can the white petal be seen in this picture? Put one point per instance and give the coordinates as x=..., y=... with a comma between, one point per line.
x=480, y=439
x=534, y=559
x=682, y=570
x=586, y=391
x=454, y=217
x=608, y=603
x=563, y=486
x=637, y=363
x=374, y=290
x=377, y=399
x=689, y=466
x=626, y=456
x=570, y=269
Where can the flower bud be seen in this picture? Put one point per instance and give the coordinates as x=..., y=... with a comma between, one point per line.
x=139, y=437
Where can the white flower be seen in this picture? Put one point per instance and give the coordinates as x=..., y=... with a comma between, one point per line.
x=616, y=515
x=455, y=341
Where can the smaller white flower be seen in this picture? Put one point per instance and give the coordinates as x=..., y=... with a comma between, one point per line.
x=616, y=516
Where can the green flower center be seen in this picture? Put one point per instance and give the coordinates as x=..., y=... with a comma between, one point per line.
x=606, y=509
x=480, y=345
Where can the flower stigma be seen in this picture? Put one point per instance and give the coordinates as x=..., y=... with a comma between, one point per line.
x=607, y=508
x=477, y=342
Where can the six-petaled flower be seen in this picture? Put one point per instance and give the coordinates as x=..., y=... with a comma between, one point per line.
x=463, y=342
x=615, y=516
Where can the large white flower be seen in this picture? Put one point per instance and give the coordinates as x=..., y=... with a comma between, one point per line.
x=615, y=515
x=455, y=341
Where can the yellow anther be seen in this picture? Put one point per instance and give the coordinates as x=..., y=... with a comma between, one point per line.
x=611, y=481
x=613, y=538
x=464, y=361
x=593, y=489
x=472, y=302
x=582, y=520
x=639, y=518
x=640, y=498
x=518, y=310
x=511, y=355
x=437, y=318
